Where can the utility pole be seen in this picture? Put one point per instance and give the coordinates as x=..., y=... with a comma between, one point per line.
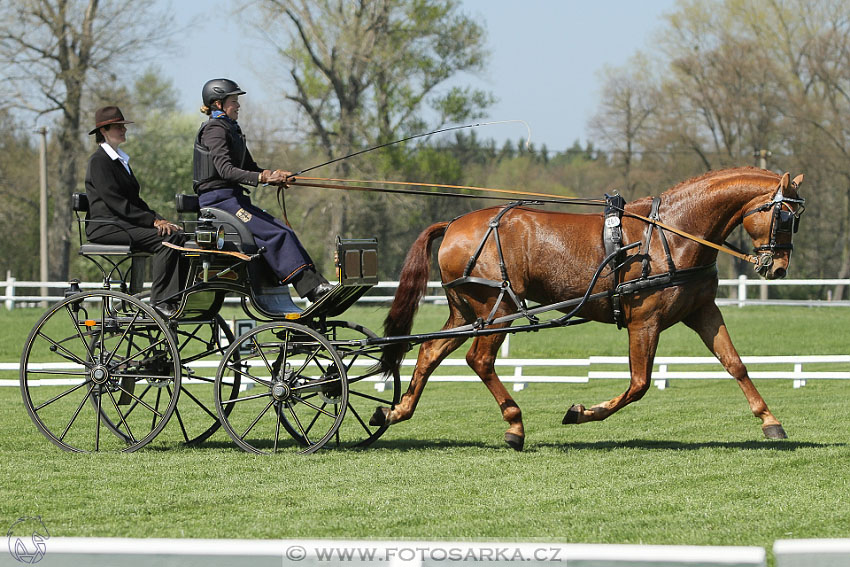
x=762, y=156
x=42, y=249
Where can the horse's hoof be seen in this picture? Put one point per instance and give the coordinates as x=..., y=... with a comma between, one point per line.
x=379, y=418
x=572, y=414
x=515, y=441
x=774, y=432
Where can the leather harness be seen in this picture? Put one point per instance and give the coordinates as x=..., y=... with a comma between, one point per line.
x=615, y=259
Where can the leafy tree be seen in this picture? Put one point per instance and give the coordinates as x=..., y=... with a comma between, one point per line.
x=19, y=192
x=628, y=104
x=365, y=72
x=56, y=55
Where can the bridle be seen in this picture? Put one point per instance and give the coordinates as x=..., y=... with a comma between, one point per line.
x=784, y=220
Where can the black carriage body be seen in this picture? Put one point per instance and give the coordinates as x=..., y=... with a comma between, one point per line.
x=136, y=367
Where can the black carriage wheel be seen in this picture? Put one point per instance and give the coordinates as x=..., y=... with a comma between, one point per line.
x=202, y=345
x=367, y=388
x=100, y=361
x=287, y=371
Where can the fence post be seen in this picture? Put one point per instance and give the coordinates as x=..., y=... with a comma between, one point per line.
x=742, y=290
x=10, y=291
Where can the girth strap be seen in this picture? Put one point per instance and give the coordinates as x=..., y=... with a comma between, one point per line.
x=612, y=238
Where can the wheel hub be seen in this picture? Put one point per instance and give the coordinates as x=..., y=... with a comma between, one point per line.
x=281, y=391
x=100, y=374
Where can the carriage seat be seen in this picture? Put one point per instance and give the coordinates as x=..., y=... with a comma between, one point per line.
x=80, y=204
x=237, y=235
x=109, y=258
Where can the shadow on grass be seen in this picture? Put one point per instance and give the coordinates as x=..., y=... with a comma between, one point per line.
x=410, y=445
x=654, y=445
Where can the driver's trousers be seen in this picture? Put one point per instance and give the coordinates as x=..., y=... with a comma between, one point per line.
x=284, y=253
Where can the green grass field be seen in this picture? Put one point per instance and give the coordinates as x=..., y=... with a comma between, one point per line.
x=687, y=465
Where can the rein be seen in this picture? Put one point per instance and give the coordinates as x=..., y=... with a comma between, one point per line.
x=544, y=198
x=740, y=255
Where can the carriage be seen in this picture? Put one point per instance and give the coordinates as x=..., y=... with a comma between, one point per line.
x=283, y=385
x=104, y=370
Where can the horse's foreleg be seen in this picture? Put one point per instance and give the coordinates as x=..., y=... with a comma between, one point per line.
x=643, y=342
x=709, y=325
x=482, y=358
x=431, y=354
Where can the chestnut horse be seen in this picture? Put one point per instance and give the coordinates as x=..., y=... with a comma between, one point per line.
x=552, y=257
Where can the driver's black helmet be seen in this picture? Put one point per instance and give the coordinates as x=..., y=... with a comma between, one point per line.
x=219, y=89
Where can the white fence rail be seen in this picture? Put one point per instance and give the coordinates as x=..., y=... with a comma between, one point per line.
x=592, y=368
x=21, y=293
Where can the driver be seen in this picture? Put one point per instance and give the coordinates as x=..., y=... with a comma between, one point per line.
x=223, y=164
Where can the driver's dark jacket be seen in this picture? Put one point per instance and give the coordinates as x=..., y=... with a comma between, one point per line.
x=229, y=153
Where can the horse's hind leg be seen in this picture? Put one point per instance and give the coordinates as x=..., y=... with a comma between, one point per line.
x=709, y=325
x=482, y=358
x=431, y=354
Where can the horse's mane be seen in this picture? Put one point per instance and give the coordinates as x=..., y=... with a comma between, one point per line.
x=716, y=177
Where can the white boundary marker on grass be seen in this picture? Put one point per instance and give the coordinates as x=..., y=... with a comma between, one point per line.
x=812, y=552
x=103, y=552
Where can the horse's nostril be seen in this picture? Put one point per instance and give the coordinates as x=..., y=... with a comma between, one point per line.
x=779, y=273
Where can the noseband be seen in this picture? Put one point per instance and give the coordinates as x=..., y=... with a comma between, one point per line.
x=785, y=219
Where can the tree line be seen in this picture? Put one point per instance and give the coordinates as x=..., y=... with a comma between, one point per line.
x=727, y=83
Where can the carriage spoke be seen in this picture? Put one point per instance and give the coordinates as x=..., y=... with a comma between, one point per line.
x=158, y=398
x=359, y=420
x=368, y=397
x=246, y=398
x=313, y=421
x=298, y=423
x=263, y=355
x=241, y=372
x=97, y=427
x=62, y=395
x=257, y=419
x=198, y=402
x=70, y=355
x=314, y=383
x=123, y=336
x=76, y=413
x=75, y=322
x=277, y=427
x=180, y=423
x=136, y=403
x=121, y=417
x=317, y=408
x=141, y=401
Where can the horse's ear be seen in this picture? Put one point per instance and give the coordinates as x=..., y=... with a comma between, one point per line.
x=797, y=181
x=783, y=183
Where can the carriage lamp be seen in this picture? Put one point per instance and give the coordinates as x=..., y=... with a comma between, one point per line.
x=74, y=289
x=208, y=236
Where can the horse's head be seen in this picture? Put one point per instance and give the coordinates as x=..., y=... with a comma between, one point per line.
x=772, y=225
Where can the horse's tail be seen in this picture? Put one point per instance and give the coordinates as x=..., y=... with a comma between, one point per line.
x=411, y=288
